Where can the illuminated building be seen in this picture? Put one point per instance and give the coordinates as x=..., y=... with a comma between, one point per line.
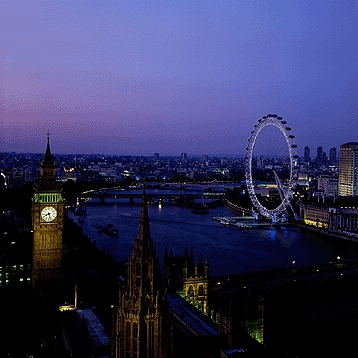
x=15, y=252
x=183, y=275
x=47, y=222
x=315, y=215
x=137, y=328
x=328, y=185
x=347, y=169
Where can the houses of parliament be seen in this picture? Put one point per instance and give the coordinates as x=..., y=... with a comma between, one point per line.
x=152, y=316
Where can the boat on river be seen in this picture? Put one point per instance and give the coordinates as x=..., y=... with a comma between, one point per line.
x=200, y=208
x=241, y=225
x=224, y=221
x=110, y=230
x=80, y=210
x=200, y=211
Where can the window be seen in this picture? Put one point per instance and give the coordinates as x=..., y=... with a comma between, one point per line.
x=151, y=338
x=128, y=337
x=138, y=270
x=135, y=340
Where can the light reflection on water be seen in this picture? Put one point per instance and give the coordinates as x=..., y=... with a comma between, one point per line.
x=229, y=249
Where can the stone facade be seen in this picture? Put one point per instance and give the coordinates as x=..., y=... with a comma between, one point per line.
x=47, y=222
x=138, y=316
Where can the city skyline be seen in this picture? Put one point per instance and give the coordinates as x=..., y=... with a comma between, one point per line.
x=138, y=78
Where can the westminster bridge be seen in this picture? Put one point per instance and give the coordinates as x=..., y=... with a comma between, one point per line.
x=292, y=309
x=268, y=279
x=293, y=305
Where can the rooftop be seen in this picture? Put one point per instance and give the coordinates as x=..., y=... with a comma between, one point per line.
x=195, y=319
x=96, y=330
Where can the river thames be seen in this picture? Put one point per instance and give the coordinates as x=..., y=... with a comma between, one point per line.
x=230, y=249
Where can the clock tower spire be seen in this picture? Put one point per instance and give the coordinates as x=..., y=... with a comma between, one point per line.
x=47, y=222
x=48, y=170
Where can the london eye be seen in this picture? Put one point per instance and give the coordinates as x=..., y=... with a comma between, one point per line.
x=284, y=185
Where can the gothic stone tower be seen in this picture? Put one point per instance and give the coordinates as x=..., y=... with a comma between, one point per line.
x=47, y=222
x=181, y=274
x=137, y=326
x=196, y=282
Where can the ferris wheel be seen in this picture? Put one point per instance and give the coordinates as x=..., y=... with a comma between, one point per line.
x=285, y=189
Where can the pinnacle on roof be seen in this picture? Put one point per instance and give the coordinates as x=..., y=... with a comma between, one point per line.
x=143, y=227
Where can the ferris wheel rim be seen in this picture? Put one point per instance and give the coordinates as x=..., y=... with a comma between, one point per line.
x=276, y=121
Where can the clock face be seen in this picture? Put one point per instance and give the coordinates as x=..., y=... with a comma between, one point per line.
x=48, y=213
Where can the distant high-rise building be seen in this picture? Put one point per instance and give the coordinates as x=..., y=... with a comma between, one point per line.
x=324, y=158
x=348, y=169
x=307, y=154
x=319, y=157
x=156, y=156
x=183, y=157
x=333, y=155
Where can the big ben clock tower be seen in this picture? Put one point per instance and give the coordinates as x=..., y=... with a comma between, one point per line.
x=47, y=222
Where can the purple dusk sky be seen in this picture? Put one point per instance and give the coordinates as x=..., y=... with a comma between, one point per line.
x=138, y=77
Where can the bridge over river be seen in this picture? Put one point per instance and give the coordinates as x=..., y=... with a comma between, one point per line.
x=293, y=308
x=180, y=196
x=268, y=279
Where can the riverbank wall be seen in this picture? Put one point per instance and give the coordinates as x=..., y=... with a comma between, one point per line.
x=334, y=234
